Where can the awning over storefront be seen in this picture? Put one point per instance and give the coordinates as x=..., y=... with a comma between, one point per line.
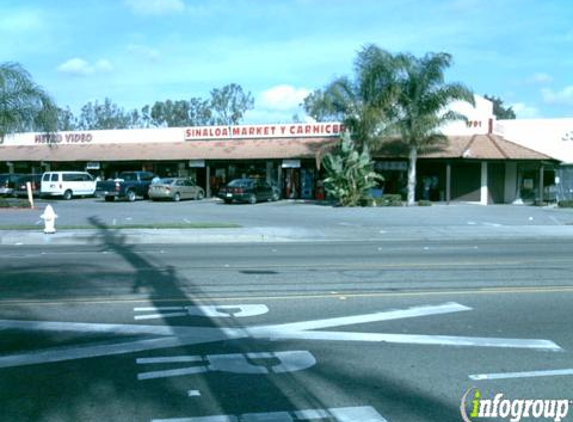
x=248, y=149
x=475, y=147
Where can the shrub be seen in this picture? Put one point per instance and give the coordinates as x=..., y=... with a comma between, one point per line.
x=389, y=200
x=566, y=203
x=350, y=174
x=424, y=203
x=14, y=203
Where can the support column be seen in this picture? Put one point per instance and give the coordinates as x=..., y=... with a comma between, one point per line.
x=484, y=191
x=269, y=172
x=511, y=183
x=448, y=183
x=541, y=182
x=208, y=180
x=280, y=179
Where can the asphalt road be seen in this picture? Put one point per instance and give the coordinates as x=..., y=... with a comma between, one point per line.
x=344, y=331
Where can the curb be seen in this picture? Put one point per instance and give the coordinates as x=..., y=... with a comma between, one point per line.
x=279, y=234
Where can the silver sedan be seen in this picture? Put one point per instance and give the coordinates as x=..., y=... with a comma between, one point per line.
x=175, y=189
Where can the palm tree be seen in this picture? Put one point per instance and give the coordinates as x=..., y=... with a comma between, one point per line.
x=23, y=104
x=361, y=104
x=420, y=106
x=393, y=96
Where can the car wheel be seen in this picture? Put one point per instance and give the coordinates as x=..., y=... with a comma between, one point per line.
x=252, y=199
x=228, y=201
x=109, y=199
x=200, y=195
x=275, y=197
x=130, y=195
x=177, y=197
x=68, y=195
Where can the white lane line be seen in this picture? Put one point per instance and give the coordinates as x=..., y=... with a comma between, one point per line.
x=341, y=414
x=420, y=339
x=61, y=354
x=219, y=418
x=159, y=316
x=414, y=312
x=182, y=336
x=210, y=311
x=94, y=327
x=159, y=308
x=193, y=393
x=237, y=363
x=169, y=359
x=168, y=373
x=527, y=374
x=491, y=224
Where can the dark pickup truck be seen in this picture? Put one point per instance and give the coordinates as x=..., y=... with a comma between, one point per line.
x=129, y=185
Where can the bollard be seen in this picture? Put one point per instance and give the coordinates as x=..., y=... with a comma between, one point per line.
x=49, y=217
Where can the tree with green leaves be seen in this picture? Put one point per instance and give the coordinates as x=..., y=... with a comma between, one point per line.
x=363, y=103
x=393, y=96
x=350, y=173
x=103, y=116
x=24, y=106
x=229, y=104
x=500, y=111
x=66, y=119
x=420, y=106
x=170, y=113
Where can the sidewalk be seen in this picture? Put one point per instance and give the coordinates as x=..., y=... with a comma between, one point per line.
x=282, y=234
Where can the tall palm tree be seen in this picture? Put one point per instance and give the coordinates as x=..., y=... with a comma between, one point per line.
x=361, y=103
x=23, y=104
x=398, y=96
x=420, y=106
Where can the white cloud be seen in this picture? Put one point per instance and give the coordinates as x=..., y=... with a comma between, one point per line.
x=155, y=7
x=540, y=78
x=523, y=111
x=103, y=65
x=81, y=67
x=149, y=53
x=282, y=97
x=563, y=97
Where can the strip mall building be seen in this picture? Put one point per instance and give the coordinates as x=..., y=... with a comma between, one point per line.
x=485, y=162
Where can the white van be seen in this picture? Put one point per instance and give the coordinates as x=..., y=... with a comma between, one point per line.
x=67, y=184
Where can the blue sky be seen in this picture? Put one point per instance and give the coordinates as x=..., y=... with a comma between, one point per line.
x=139, y=51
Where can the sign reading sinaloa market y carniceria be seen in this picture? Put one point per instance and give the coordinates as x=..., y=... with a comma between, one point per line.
x=293, y=130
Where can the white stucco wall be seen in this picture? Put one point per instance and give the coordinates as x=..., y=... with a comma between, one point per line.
x=553, y=137
x=478, y=117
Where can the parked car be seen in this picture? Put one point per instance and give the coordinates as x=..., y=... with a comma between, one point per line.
x=248, y=190
x=175, y=189
x=67, y=184
x=8, y=183
x=129, y=185
x=35, y=182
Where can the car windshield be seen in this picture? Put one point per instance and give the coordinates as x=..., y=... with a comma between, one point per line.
x=241, y=183
x=129, y=177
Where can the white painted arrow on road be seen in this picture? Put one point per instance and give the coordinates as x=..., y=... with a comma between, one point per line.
x=155, y=337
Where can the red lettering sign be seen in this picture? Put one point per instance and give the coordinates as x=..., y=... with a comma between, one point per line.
x=263, y=131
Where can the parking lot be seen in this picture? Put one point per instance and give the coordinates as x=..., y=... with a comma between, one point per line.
x=308, y=220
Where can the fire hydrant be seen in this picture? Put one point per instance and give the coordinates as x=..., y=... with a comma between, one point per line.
x=49, y=217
